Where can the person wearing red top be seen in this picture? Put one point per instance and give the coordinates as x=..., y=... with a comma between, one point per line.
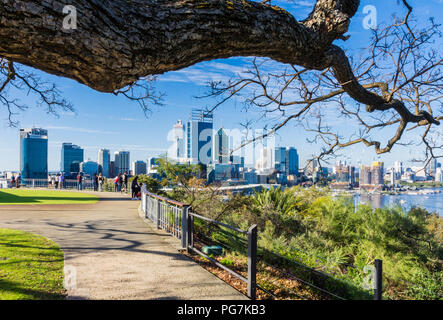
x=79, y=181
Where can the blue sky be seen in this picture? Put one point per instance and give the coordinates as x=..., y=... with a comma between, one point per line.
x=107, y=121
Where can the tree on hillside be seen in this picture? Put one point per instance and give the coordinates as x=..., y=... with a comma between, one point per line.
x=118, y=45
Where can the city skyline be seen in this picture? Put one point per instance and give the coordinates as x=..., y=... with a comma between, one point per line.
x=128, y=161
x=72, y=155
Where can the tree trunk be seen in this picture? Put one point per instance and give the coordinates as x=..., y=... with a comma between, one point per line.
x=117, y=42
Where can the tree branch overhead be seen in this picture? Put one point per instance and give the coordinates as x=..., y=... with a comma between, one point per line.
x=118, y=42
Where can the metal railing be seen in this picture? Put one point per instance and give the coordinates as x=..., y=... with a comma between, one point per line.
x=166, y=214
x=87, y=184
x=251, y=280
x=177, y=219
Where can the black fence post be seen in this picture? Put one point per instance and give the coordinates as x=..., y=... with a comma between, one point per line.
x=252, y=262
x=185, y=225
x=378, y=284
x=190, y=235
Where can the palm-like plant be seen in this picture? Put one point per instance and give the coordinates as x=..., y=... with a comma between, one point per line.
x=275, y=199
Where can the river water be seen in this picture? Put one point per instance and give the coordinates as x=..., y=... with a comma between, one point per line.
x=431, y=202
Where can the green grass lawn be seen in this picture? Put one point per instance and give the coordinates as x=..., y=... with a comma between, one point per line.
x=24, y=197
x=31, y=267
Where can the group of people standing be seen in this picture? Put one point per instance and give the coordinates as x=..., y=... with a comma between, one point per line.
x=121, y=182
x=15, y=182
x=97, y=182
x=121, y=185
x=56, y=181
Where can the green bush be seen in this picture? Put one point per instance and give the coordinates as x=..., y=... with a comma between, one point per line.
x=330, y=234
x=151, y=184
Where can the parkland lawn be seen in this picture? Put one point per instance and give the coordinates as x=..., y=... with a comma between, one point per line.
x=31, y=267
x=28, y=197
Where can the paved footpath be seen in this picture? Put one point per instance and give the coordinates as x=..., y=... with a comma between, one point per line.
x=116, y=255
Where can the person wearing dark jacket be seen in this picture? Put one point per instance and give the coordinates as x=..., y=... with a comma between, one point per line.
x=95, y=182
x=135, y=188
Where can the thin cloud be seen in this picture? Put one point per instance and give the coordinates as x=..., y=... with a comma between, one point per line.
x=203, y=73
x=83, y=130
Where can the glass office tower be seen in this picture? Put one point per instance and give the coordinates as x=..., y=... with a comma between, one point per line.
x=280, y=159
x=72, y=156
x=221, y=147
x=292, y=161
x=286, y=160
x=121, y=162
x=89, y=168
x=34, y=153
x=104, y=161
x=199, y=132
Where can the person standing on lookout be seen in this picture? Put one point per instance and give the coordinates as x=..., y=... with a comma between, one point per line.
x=79, y=181
x=57, y=180
x=135, y=188
x=116, y=183
x=120, y=182
x=95, y=182
x=61, y=180
x=101, y=180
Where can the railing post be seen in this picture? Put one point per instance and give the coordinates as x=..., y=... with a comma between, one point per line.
x=143, y=204
x=378, y=279
x=185, y=230
x=190, y=232
x=252, y=262
x=33, y=183
x=158, y=213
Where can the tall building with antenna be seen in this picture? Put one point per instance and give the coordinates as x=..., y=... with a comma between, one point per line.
x=199, y=133
x=221, y=147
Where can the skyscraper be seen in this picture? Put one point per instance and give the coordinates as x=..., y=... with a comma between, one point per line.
x=393, y=176
x=286, y=161
x=139, y=167
x=398, y=167
x=34, y=153
x=377, y=173
x=71, y=157
x=431, y=167
x=199, y=131
x=121, y=162
x=342, y=172
x=104, y=162
x=221, y=146
x=280, y=159
x=178, y=139
x=365, y=177
x=311, y=165
x=89, y=167
x=111, y=169
x=266, y=159
x=116, y=162
x=292, y=161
